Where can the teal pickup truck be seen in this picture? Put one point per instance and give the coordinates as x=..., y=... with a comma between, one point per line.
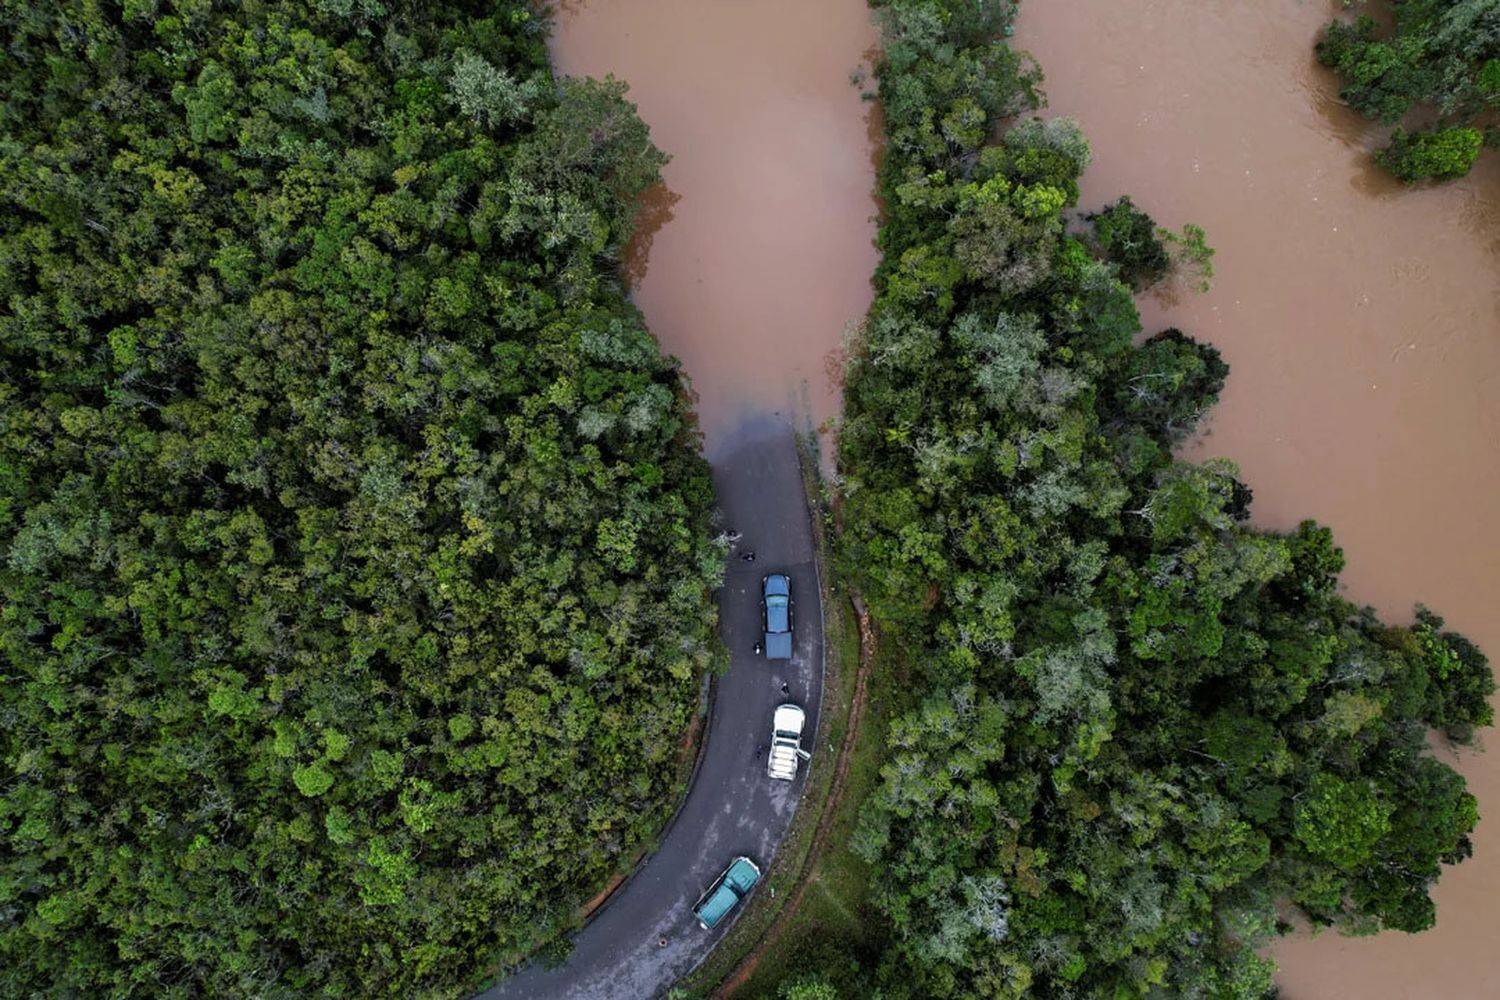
x=726, y=892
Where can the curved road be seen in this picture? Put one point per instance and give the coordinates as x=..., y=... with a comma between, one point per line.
x=732, y=807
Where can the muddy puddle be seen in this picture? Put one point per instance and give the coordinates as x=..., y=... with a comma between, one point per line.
x=1362, y=323
x=758, y=253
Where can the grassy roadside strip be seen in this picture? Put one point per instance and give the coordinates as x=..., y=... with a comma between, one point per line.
x=841, y=657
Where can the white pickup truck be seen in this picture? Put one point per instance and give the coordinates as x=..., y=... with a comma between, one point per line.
x=786, y=742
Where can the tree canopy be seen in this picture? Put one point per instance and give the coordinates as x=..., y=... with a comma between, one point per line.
x=1135, y=726
x=354, y=561
x=1440, y=58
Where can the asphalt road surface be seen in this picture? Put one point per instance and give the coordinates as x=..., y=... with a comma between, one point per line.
x=733, y=808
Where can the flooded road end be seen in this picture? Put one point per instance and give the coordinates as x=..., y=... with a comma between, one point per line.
x=761, y=247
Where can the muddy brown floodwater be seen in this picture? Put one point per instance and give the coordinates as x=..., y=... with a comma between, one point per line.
x=1362, y=324
x=759, y=253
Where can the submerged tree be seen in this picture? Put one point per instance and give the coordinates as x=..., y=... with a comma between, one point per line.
x=1144, y=253
x=1441, y=154
x=1127, y=237
x=1442, y=56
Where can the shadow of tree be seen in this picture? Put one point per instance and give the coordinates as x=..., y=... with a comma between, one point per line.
x=655, y=211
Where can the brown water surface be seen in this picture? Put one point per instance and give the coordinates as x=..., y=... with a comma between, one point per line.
x=1362, y=323
x=764, y=247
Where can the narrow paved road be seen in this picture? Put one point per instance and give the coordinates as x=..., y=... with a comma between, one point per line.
x=732, y=808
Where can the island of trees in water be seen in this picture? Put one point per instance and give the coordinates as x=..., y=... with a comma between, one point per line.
x=1135, y=730
x=355, y=556
x=1435, y=60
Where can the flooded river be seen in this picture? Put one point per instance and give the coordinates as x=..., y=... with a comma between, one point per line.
x=1362, y=323
x=759, y=252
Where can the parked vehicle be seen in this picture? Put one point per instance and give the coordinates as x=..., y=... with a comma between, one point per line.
x=726, y=892
x=786, y=742
x=776, y=610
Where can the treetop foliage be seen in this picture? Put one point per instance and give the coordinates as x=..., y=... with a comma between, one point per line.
x=353, y=548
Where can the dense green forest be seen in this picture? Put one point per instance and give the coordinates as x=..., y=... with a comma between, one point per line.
x=353, y=539
x=1135, y=727
x=1439, y=57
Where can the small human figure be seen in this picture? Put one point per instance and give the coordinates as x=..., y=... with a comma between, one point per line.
x=785, y=687
x=749, y=556
x=661, y=942
x=732, y=536
x=757, y=647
